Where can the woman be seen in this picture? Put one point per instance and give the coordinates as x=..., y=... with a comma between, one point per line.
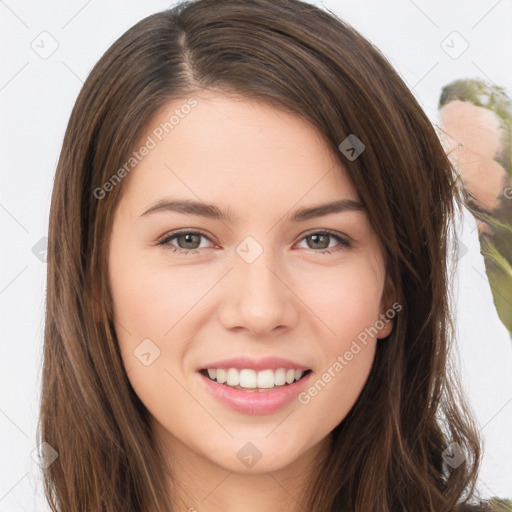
x=254, y=370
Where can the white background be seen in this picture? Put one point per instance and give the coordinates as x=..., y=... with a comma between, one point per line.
x=36, y=98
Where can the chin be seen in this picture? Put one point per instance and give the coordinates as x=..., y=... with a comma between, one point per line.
x=260, y=454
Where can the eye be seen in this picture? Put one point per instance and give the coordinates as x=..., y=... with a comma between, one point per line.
x=320, y=237
x=190, y=241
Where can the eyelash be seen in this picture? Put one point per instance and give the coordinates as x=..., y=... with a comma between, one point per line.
x=344, y=244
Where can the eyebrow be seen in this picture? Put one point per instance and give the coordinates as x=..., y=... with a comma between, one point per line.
x=211, y=211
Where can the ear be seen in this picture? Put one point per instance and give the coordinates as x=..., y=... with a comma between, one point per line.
x=387, y=310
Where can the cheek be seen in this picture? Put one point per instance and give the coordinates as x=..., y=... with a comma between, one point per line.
x=154, y=301
x=346, y=302
x=346, y=299
x=148, y=303
x=333, y=392
x=150, y=297
x=350, y=308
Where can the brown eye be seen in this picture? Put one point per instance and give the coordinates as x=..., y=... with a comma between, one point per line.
x=321, y=240
x=189, y=240
x=186, y=241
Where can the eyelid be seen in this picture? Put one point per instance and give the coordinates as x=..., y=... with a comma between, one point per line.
x=172, y=234
x=326, y=231
x=343, y=239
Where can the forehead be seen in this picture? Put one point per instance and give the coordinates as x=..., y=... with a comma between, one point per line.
x=237, y=151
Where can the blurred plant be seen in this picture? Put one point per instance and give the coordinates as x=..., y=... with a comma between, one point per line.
x=501, y=505
x=487, y=96
x=485, y=191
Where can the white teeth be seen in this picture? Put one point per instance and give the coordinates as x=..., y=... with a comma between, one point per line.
x=280, y=377
x=233, y=377
x=266, y=379
x=248, y=378
x=251, y=379
x=221, y=376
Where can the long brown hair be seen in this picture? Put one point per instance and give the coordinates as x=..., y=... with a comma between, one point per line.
x=387, y=453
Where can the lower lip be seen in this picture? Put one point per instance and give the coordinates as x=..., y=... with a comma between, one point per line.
x=255, y=402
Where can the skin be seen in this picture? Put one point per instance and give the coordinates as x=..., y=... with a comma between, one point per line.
x=210, y=304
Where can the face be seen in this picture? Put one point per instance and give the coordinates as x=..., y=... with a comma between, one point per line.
x=249, y=288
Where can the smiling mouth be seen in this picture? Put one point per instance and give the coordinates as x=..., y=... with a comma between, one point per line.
x=255, y=381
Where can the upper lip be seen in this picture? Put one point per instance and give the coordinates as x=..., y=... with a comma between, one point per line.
x=264, y=363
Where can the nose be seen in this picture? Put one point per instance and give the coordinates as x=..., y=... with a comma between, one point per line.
x=258, y=297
